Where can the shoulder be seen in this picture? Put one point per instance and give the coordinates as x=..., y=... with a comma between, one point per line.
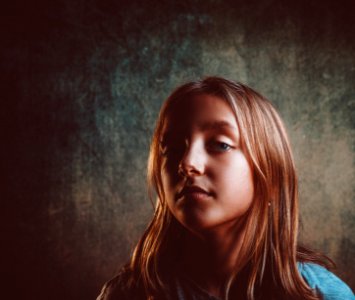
x=325, y=282
x=121, y=287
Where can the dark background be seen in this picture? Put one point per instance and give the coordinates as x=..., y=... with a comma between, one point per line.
x=82, y=83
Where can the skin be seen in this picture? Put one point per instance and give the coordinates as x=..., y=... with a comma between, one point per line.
x=201, y=149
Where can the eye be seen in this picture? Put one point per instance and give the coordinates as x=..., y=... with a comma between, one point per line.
x=173, y=143
x=218, y=146
x=174, y=150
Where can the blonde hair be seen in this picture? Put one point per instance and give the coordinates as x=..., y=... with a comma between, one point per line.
x=270, y=249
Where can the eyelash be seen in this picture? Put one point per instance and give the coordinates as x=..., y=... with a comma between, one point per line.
x=213, y=146
x=219, y=146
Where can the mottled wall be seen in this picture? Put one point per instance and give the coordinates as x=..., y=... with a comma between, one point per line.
x=84, y=81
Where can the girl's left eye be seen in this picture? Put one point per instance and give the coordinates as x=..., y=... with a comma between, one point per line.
x=219, y=146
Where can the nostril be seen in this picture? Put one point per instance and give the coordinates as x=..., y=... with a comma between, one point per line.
x=187, y=170
x=191, y=164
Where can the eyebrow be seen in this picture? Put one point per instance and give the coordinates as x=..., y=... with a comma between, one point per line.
x=217, y=125
x=214, y=125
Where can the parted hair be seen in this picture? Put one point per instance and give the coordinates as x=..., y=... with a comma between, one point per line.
x=270, y=251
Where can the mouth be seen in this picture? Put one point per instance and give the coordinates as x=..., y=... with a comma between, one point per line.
x=194, y=192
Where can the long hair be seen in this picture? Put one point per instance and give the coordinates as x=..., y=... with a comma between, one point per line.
x=269, y=253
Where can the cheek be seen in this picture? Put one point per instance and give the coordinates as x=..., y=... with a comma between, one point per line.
x=237, y=181
x=169, y=183
x=169, y=172
x=169, y=191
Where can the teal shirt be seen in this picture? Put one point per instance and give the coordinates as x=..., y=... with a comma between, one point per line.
x=325, y=282
x=329, y=286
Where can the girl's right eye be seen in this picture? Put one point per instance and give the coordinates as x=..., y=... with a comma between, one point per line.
x=172, y=149
x=172, y=143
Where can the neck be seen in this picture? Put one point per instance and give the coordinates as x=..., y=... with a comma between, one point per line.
x=210, y=258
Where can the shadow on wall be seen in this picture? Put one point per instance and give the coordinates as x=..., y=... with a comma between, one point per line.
x=85, y=81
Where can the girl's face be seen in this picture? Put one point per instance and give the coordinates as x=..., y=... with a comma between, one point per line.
x=207, y=180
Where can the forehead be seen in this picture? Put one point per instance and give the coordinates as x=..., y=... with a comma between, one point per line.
x=203, y=112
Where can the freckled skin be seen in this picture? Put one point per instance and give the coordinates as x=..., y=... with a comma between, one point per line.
x=209, y=157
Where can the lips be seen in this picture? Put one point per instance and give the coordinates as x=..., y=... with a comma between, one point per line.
x=194, y=192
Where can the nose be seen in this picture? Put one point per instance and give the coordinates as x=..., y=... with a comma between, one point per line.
x=193, y=161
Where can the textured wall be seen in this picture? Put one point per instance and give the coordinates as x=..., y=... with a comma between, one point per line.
x=84, y=81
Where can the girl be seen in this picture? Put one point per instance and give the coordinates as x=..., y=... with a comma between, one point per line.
x=226, y=220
